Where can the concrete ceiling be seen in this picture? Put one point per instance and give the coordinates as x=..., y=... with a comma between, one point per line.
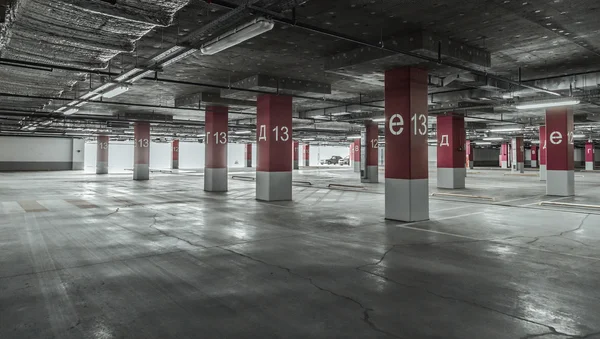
x=55, y=52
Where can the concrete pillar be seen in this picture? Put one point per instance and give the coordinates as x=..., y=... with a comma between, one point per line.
x=175, y=154
x=534, y=156
x=504, y=156
x=370, y=143
x=141, y=152
x=589, y=156
x=215, y=164
x=274, y=127
x=543, y=153
x=518, y=155
x=469, y=152
x=560, y=147
x=248, y=155
x=451, y=170
x=102, y=154
x=296, y=150
x=406, y=134
x=306, y=155
x=356, y=155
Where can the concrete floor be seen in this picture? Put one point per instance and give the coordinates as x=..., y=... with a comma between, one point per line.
x=84, y=256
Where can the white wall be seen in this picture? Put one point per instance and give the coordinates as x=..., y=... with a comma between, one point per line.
x=318, y=153
x=191, y=155
x=37, y=153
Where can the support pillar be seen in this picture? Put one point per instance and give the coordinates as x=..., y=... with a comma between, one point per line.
x=518, y=152
x=141, y=152
x=215, y=164
x=351, y=156
x=451, y=153
x=534, y=156
x=248, y=155
x=356, y=156
x=504, y=156
x=543, y=153
x=306, y=155
x=370, y=142
x=589, y=156
x=406, y=131
x=296, y=150
x=469, y=152
x=102, y=154
x=560, y=147
x=274, y=170
x=175, y=154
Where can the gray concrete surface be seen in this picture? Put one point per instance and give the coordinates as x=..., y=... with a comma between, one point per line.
x=86, y=256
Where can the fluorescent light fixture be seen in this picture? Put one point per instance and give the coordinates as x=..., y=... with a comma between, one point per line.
x=579, y=136
x=116, y=91
x=139, y=76
x=237, y=36
x=127, y=74
x=535, y=142
x=506, y=130
x=340, y=113
x=309, y=139
x=352, y=137
x=320, y=117
x=71, y=111
x=379, y=120
x=179, y=57
x=483, y=142
x=60, y=109
x=545, y=104
x=31, y=128
x=431, y=141
x=243, y=132
x=493, y=138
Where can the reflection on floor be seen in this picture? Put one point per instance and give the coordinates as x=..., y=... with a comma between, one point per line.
x=86, y=256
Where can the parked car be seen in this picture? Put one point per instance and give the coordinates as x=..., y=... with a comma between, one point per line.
x=331, y=161
x=344, y=161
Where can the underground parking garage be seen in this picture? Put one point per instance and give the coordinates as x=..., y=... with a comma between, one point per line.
x=299, y=169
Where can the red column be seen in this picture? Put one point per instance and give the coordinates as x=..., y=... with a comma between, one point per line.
x=451, y=154
x=141, y=152
x=504, y=156
x=296, y=150
x=274, y=133
x=560, y=152
x=543, y=153
x=102, y=154
x=356, y=157
x=470, y=154
x=306, y=155
x=534, y=156
x=518, y=151
x=406, y=163
x=248, y=155
x=589, y=156
x=370, y=141
x=215, y=164
x=175, y=153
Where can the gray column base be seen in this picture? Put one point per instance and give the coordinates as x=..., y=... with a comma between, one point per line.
x=248, y=163
x=543, y=173
x=504, y=164
x=306, y=163
x=560, y=183
x=451, y=178
x=520, y=167
x=101, y=167
x=174, y=164
x=589, y=166
x=78, y=166
x=372, y=175
x=471, y=164
x=296, y=165
x=407, y=200
x=534, y=163
x=357, y=166
x=215, y=179
x=141, y=172
x=274, y=186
